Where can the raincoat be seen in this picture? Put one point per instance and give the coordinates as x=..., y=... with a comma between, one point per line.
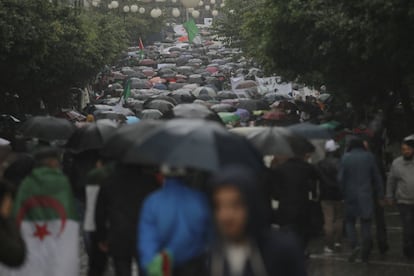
x=359, y=178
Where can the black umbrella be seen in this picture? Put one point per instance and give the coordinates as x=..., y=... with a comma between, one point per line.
x=162, y=105
x=164, y=98
x=195, y=111
x=311, y=131
x=276, y=141
x=47, y=128
x=223, y=108
x=92, y=136
x=126, y=136
x=151, y=114
x=252, y=105
x=195, y=144
x=226, y=95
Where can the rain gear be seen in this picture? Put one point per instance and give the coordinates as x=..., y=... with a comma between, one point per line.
x=359, y=177
x=175, y=219
x=271, y=253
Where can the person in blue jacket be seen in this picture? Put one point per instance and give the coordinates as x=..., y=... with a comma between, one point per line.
x=174, y=229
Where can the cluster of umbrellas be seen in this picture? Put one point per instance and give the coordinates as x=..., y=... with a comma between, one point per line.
x=191, y=143
x=179, y=75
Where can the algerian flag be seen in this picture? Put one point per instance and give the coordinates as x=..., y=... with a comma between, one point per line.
x=141, y=49
x=192, y=30
x=45, y=214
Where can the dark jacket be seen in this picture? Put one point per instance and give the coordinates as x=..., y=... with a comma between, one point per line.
x=12, y=247
x=273, y=253
x=294, y=181
x=328, y=171
x=360, y=179
x=119, y=203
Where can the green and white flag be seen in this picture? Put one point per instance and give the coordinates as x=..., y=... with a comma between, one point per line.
x=192, y=31
x=127, y=90
x=45, y=213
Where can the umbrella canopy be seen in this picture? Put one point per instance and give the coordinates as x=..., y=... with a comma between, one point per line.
x=195, y=111
x=270, y=98
x=252, y=105
x=311, y=131
x=333, y=125
x=124, y=137
x=225, y=95
x=223, y=108
x=246, y=84
x=151, y=114
x=274, y=115
x=204, y=90
x=47, y=128
x=157, y=80
x=195, y=144
x=243, y=114
x=140, y=84
x=229, y=117
x=148, y=62
x=276, y=141
x=91, y=136
x=162, y=105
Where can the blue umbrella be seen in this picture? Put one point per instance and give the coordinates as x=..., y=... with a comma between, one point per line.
x=243, y=114
x=132, y=120
x=160, y=86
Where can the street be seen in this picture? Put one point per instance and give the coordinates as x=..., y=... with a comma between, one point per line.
x=319, y=264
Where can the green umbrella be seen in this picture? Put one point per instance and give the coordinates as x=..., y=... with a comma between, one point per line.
x=331, y=125
x=228, y=117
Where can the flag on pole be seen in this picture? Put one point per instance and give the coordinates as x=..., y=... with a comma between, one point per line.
x=141, y=49
x=127, y=90
x=192, y=30
x=45, y=213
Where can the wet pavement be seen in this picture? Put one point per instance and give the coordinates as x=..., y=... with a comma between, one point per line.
x=391, y=264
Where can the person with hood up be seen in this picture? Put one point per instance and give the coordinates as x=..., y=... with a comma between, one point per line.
x=400, y=190
x=359, y=179
x=245, y=244
x=174, y=228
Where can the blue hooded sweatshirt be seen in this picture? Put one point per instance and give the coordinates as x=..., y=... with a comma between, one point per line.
x=175, y=218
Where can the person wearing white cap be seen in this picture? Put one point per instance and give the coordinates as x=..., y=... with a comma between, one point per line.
x=331, y=197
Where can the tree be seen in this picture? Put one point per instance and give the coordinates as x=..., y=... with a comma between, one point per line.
x=360, y=48
x=47, y=49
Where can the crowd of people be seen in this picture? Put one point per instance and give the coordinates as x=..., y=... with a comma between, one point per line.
x=170, y=219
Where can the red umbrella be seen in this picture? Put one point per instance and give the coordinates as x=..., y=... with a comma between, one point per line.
x=147, y=62
x=212, y=70
x=274, y=115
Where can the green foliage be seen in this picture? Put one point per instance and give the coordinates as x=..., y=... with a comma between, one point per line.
x=360, y=48
x=47, y=49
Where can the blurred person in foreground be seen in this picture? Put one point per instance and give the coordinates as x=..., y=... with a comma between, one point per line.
x=400, y=190
x=331, y=198
x=12, y=247
x=118, y=206
x=45, y=214
x=245, y=244
x=174, y=228
x=294, y=186
x=360, y=180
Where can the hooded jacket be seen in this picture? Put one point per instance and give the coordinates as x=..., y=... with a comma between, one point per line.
x=272, y=253
x=175, y=219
